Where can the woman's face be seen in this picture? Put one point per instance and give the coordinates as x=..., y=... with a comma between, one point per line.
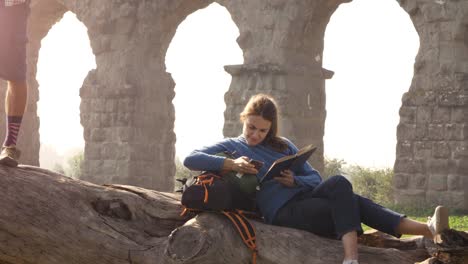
x=255, y=129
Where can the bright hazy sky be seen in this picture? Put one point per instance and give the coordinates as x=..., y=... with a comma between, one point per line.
x=65, y=58
x=370, y=45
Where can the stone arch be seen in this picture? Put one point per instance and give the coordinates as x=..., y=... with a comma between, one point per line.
x=127, y=110
x=65, y=58
x=126, y=118
x=372, y=57
x=203, y=44
x=42, y=17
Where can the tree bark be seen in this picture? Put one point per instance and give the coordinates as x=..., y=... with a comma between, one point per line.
x=48, y=218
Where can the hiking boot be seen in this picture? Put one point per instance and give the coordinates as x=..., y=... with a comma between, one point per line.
x=438, y=222
x=9, y=156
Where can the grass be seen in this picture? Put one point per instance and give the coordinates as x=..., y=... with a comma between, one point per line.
x=457, y=221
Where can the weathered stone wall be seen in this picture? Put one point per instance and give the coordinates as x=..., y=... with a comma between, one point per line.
x=126, y=107
x=432, y=155
x=127, y=110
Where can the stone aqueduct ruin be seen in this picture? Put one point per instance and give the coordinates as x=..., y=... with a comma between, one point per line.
x=126, y=102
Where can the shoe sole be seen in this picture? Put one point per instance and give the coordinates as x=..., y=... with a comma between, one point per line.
x=441, y=219
x=9, y=162
x=441, y=214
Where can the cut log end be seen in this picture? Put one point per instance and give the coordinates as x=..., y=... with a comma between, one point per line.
x=185, y=243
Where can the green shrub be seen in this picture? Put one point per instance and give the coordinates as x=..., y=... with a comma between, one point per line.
x=333, y=167
x=181, y=173
x=375, y=184
x=75, y=163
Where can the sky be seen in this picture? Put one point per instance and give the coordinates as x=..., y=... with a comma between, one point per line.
x=370, y=45
x=65, y=58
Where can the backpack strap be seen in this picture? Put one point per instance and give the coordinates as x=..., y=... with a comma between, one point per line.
x=206, y=180
x=245, y=230
x=187, y=210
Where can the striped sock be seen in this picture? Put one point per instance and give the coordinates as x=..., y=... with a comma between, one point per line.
x=13, y=127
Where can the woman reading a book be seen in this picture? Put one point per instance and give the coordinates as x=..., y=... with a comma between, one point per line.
x=297, y=197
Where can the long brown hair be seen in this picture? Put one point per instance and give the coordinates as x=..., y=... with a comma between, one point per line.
x=265, y=106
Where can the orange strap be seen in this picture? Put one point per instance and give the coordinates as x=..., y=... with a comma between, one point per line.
x=250, y=238
x=205, y=200
x=186, y=210
x=204, y=180
x=246, y=231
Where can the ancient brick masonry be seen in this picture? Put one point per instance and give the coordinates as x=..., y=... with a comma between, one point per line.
x=431, y=165
x=127, y=110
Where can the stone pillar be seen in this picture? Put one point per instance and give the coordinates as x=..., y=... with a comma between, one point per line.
x=126, y=108
x=432, y=158
x=153, y=148
x=43, y=15
x=283, y=46
x=106, y=116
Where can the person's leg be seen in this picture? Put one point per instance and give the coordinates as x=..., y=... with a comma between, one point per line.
x=411, y=227
x=328, y=210
x=13, y=68
x=315, y=215
x=16, y=96
x=396, y=224
x=378, y=217
x=15, y=104
x=345, y=210
x=432, y=229
x=350, y=242
x=310, y=214
x=345, y=213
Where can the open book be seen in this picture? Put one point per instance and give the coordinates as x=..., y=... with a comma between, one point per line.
x=288, y=162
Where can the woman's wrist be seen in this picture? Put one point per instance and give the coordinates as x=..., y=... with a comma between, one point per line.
x=228, y=164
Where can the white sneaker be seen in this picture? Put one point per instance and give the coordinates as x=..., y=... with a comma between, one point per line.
x=438, y=222
x=350, y=261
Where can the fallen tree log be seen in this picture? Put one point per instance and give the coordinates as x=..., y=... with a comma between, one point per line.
x=48, y=218
x=214, y=241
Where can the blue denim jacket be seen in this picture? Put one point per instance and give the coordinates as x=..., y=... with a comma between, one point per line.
x=272, y=195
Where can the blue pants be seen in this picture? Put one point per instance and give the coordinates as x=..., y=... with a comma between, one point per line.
x=332, y=209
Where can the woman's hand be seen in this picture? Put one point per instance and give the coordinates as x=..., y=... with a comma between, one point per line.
x=241, y=165
x=286, y=178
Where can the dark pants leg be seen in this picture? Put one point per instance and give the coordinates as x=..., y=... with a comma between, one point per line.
x=378, y=217
x=332, y=210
